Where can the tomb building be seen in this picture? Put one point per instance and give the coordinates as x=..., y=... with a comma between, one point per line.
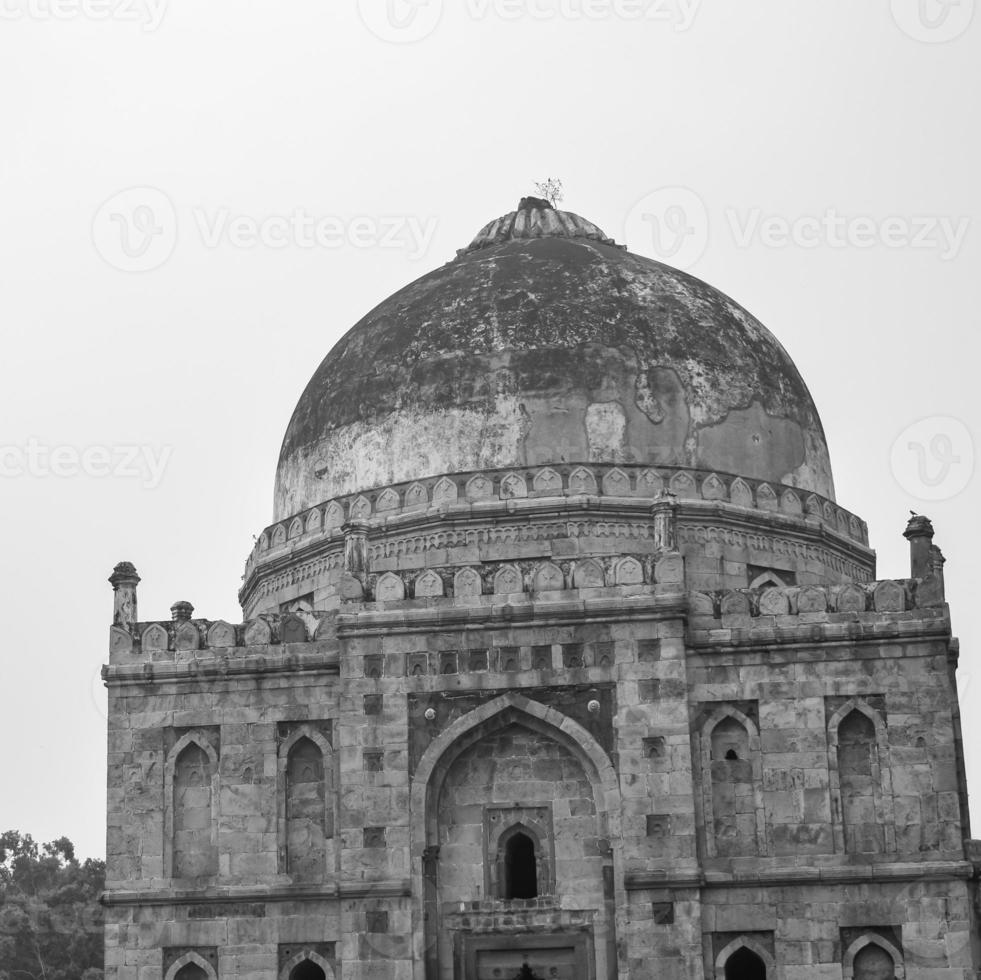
x=559, y=660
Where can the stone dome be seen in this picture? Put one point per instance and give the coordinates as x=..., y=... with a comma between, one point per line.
x=546, y=342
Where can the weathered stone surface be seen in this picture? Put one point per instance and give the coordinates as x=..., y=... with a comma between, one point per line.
x=645, y=371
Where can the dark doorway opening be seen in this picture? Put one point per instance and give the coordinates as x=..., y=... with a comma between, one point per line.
x=190, y=971
x=744, y=964
x=307, y=970
x=521, y=868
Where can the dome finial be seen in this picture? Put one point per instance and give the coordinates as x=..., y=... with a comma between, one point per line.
x=538, y=217
x=534, y=204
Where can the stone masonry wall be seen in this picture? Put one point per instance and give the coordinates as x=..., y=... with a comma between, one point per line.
x=733, y=769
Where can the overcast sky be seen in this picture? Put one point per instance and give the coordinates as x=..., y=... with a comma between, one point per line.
x=294, y=163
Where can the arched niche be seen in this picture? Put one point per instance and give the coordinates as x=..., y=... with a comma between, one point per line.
x=305, y=791
x=860, y=780
x=872, y=957
x=190, y=808
x=191, y=966
x=732, y=784
x=548, y=577
x=588, y=574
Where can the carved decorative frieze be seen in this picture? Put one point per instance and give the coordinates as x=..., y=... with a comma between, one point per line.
x=614, y=481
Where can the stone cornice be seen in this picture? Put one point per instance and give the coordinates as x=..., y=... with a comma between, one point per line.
x=212, y=668
x=633, y=881
x=512, y=611
x=400, y=888
x=809, y=634
x=802, y=876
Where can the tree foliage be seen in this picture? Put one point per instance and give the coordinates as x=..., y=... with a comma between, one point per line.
x=50, y=917
x=551, y=189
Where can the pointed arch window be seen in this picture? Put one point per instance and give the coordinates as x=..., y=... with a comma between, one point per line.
x=746, y=958
x=191, y=971
x=307, y=964
x=519, y=855
x=520, y=867
x=744, y=964
x=307, y=970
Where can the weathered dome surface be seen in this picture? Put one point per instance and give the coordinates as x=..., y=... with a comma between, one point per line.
x=544, y=342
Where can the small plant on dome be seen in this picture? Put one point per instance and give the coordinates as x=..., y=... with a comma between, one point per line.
x=550, y=189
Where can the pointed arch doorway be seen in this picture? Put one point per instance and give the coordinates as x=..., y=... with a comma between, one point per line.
x=521, y=873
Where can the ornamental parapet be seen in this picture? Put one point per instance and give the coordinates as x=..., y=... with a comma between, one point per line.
x=775, y=615
x=459, y=492
x=181, y=640
x=470, y=523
